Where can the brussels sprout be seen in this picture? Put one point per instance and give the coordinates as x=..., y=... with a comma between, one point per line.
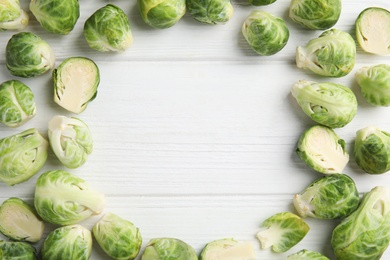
x=19, y=222
x=56, y=16
x=372, y=150
x=365, y=234
x=70, y=140
x=373, y=30
x=167, y=249
x=227, y=249
x=21, y=156
x=332, y=54
x=261, y=2
x=17, y=251
x=108, y=29
x=322, y=150
x=76, y=81
x=27, y=55
x=330, y=197
x=210, y=11
x=68, y=242
x=374, y=83
x=265, y=33
x=326, y=103
x=12, y=17
x=118, y=237
x=161, y=14
x=283, y=231
x=315, y=14
x=17, y=104
x=64, y=199
x=307, y=255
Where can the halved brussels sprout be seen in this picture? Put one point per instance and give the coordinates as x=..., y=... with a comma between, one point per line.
x=118, y=237
x=261, y=2
x=17, y=104
x=76, y=81
x=27, y=55
x=372, y=150
x=19, y=222
x=326, y=103
x=64, y=199
x=22, y=155
x=17, y=250
x=56, y=16
x=330, y=197
x=227, y=249
x=108, y=29
x=167, y=249
x=283, y=231
x=265, y=33
x=332, y=54
x=315, y=14
x=210, y=11
x=70, y=140
x=365, y=234
x=161, y=14
x=305, y=254
x=12, y=17
x=323, y=150
x=68, y=242
x=373, y=30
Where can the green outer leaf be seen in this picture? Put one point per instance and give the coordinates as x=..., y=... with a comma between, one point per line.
x=161, y=14
x=168, y=249
x=17, y=251
x=305, y=254
x=261, y=2
x=210, y=11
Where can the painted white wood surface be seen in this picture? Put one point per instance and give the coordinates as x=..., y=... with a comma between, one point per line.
x=195, y=134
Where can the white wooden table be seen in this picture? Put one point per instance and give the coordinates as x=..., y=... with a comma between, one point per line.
x=195, y=134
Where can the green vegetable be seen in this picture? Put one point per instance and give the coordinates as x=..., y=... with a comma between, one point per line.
x=17, y=104
x=210, y=11
x=168, y=249
x=227, y=249
x=17, y=251
x=261, y=2
x=332, y=54
x=70, y=140
x=373, y=30
x=21, y=156
x=330, y=197
x=19, y=222
x=283, y=231
x=307, y=255
x=27, y=55
x=315, y=14
x=265, y=33
x=374, y=83
x=326, y=103
x=161, y=14
x=323, y=150
x=108, y=29
x=64, y=199
x=56, y=16
x=68, y=242
x=76, y=81
x=12, y=16
x=372, y=150
x=365, y=234
x=118, y=237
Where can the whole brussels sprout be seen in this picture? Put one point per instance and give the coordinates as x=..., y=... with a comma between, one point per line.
x=22, y=155
x=64, y=199
x=227, y=249
x=265, y=33
x=12, y=17
x=118, y=237
x=326, y=103
x=68, y=242
x=167, y=249
x=19, y=222
x=108, y=29
x=374, y=83
x=305, y=254
x=332, y=54
x=17, y=104
x=373, y=30
x=210, y=11
x=17, y=250
x=56, y=16
x=365, y=234
x=161, y=14
x=27, y=55
x=261, y=2
x=372, y=150
x=315, y=14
